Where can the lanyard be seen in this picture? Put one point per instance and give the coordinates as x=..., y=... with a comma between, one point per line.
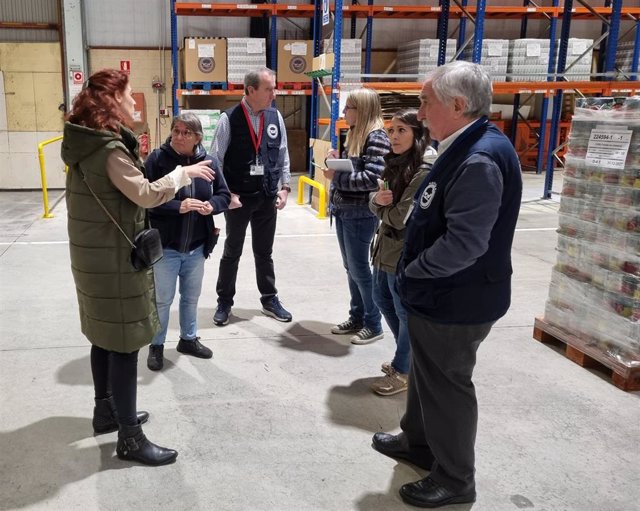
x=256, y=139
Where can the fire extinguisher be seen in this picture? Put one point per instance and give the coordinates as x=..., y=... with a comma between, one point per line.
x=143, y=140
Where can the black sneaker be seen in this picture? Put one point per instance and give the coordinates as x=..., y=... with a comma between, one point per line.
x=367, y=336
x=347, y=327
x=194, y=348
x=155, y=360
x=221, y=317
x=275, y=309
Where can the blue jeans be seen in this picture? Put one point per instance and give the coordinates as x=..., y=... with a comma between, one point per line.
x=187, y=267
x=388, y=300
x=354, y=238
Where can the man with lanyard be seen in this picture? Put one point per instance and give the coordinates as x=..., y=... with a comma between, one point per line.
x=454, y=278
x=251, y=146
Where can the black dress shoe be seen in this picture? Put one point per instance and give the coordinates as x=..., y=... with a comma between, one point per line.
x=397, y=446
x=194, y=348
x=429, y=494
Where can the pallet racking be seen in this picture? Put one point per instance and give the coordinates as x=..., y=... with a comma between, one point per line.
x=610, y=14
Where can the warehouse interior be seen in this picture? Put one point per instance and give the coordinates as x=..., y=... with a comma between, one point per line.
x=282, y=417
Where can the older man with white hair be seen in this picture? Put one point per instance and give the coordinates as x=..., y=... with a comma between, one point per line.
x=454, y=278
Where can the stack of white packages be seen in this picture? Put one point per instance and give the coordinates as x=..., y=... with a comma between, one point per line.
x=581, y=70
x=350, y=60
x=421, y=56
x=244, y=54
x=624, y=58
x=528, y=60
x=495, y=58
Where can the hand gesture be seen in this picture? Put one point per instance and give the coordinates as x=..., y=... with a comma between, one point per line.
x=192, y=205
x=200, y=169
x=205, y=209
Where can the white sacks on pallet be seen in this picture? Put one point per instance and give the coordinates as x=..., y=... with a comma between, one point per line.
x=244, y=54
x=495, y=58
x=350, y=60
x=528, y=60
x=580, y=70
x=421, y=56
x=624, y=59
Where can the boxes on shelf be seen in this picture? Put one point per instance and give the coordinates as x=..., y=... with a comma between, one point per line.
x=580, y=70
x=495, y=58
x=244, y=54
x=295, y=58
x=421, y=56
x=204, y=59
x=209, y=120
x=528, y=60
x=350, y=60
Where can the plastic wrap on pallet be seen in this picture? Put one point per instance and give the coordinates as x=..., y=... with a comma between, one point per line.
x=595, y=286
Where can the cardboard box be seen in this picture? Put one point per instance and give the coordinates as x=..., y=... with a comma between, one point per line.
x=204, y=59
x=295, y=58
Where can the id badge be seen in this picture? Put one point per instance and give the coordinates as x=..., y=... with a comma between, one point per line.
x=256, y=170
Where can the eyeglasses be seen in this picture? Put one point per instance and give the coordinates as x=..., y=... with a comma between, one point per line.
x=186, y=134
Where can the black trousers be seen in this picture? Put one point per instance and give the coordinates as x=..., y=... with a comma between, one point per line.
x=116, y=374
x=259, y=211
x=442, y=412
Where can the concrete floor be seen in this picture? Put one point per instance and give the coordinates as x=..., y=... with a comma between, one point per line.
x=282, y=417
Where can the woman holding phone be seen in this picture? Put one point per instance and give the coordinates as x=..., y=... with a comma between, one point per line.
x=406, y=166
x=366, y=145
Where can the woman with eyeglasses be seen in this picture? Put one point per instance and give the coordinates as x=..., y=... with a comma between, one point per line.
x=366, y=145
x=188, y=235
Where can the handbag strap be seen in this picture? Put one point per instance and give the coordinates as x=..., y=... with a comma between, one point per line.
x=107, y=211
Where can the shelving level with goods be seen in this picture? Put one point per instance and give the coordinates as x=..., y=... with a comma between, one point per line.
x=594, y=294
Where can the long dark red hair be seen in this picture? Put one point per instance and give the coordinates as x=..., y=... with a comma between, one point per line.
x=96, y=106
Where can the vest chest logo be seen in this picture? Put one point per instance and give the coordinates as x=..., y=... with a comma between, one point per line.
x=272, y=131
x=428, y=194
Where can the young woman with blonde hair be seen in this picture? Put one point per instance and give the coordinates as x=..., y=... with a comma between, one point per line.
x=366, y=146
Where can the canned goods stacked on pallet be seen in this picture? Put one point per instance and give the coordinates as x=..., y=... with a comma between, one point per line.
x=595, y=286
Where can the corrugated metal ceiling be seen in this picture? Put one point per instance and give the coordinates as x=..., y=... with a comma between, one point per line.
x=29, y=11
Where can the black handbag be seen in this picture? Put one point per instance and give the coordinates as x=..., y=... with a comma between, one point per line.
x=146, y=247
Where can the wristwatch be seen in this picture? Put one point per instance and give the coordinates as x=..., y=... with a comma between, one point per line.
x=286, y=187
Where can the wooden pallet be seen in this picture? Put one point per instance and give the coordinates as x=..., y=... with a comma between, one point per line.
x=205, y=85
x=623, y=376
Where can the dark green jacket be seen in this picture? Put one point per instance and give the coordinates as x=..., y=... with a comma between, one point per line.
x=117, y=303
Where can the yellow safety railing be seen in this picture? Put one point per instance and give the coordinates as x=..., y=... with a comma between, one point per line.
x=43, y=174
x=322, y=193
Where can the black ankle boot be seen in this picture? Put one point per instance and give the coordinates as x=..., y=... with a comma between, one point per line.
x=134, y=446
x=155, y=360
x=105, y=416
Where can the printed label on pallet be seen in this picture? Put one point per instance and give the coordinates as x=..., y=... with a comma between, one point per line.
x=608, y=147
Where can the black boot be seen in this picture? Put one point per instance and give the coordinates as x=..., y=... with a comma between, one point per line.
x=133, y=445
x=155, y=360
x=105, y=416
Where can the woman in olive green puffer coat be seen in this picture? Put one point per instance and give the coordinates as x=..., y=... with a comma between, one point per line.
x=117, y=306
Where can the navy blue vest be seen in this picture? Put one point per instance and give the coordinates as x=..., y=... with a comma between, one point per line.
x=481, y=292
x=241, y=154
